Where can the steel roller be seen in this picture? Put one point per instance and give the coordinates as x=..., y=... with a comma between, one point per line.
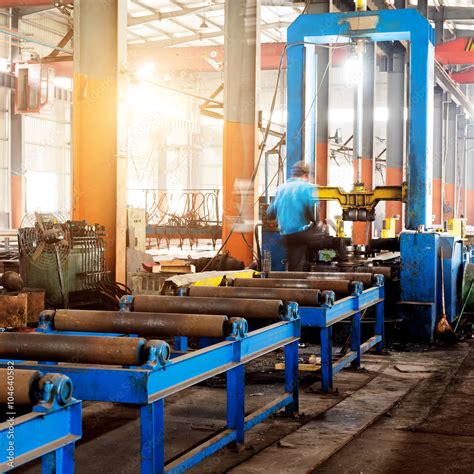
x=340, y=287
x=23, y=383
x=143, y=323
x=303, y=297
x=365, y=278
x=22, y=387
x=246, y=308
x=80, y=349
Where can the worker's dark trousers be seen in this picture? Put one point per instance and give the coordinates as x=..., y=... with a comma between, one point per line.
x=297, y=245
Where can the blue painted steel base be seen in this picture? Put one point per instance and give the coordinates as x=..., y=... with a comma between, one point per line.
x=148, y=387
x=50, y=435
x=325, y=316
x=420, y=280
x=273, y=243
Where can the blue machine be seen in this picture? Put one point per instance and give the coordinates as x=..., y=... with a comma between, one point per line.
x=148, y=386
x=420, y=249
x=351, y=307
x=49, y=431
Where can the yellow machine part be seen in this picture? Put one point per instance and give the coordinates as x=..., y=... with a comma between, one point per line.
x=389, y=227
x=456, y=227
x=360, y=198
x=217, y=280
x=340, y=227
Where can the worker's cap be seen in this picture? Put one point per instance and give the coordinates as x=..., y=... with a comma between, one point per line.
x=300, y=168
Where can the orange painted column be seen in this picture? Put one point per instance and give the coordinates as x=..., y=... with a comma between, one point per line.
x=449, y=203
x=395, y=154
x=241, y=72
x=322, y=121
x=17, y=174
x=394, y=177
x=470, y=205
x=99, y=154
x=437, y=200
x=362, y=231
x=17, y=196
x=439, y=127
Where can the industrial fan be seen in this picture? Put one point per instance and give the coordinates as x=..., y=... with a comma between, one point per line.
x=44, y=241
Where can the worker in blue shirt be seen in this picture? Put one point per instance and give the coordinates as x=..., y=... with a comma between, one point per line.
x=294, y=208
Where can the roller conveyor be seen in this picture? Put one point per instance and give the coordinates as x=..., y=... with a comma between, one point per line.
x=247, y=308
x=143, y=323
x=81, y=349
x=340, y=287
x=306, y=297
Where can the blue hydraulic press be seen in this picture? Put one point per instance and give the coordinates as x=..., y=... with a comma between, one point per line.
x=425, y=254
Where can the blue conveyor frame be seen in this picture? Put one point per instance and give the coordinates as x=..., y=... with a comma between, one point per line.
x=148, y=387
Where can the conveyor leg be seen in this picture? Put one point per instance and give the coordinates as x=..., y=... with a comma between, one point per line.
x=60, y=461
x=236, y=401
x=355, y=338
x=379, y=323
x=152, y=429
x=291, y=376
x=181, y=344
x=326, y=359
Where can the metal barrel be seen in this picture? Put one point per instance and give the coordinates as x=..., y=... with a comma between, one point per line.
x=340, y=287
x=17, y=386
x=302, y=297
x=365, y=277
x=246, y=308
x=75, y=349
x=143, y=324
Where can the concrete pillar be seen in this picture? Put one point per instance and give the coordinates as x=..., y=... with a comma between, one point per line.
x=439, y=31
x=396, y=136
x=99, y=135
x=423, y=7
x=459, y=173
x=438, y=127
x=450, y=162
x=241, y=77
x=469, y=164
x=17, y=175
x=362, y=231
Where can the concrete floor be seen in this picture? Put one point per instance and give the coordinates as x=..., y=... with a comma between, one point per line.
x=431, y=429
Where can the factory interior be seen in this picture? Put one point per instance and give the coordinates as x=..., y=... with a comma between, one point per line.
x=236, y=236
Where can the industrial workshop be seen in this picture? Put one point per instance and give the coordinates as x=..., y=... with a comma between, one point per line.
x=237, y=236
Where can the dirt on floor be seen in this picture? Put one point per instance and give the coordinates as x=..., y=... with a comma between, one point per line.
x=431, y=429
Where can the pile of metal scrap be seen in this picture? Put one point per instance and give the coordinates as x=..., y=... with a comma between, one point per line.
x=191, y=215
x=8, y=251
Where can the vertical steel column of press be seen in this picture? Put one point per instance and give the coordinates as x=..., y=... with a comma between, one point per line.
x=420, y=132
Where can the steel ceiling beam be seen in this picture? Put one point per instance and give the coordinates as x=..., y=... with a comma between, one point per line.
x=442, y=78
x=204, y=9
